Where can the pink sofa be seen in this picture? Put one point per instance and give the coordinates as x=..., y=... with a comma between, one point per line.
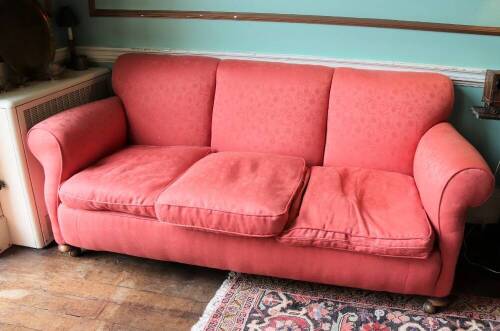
x=337, y=176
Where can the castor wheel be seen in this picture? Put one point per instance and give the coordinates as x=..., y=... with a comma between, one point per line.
x=432, y=305
x=429, y=308
x=71, y=250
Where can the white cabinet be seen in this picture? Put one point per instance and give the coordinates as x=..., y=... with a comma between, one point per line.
x=22, y=199
x=4, y=232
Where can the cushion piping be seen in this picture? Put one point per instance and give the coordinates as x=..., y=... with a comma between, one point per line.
x=281, y=213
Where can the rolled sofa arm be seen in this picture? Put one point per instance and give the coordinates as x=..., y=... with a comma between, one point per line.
x=72, y=140
x=451, y=176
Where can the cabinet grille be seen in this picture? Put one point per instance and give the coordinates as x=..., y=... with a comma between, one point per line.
x=99, y=89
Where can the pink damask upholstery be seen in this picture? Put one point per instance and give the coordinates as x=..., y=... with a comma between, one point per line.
x=271, y=108
x=376, y=118
x=451, y=176
x=362, y=210
x=216, y=213
x=236, y=193
x=70, y=141
x=168, y=99
x=130, y=180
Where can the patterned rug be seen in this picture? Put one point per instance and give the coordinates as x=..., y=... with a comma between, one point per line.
x=254, y=303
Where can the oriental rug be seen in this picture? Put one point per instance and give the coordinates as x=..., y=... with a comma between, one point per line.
x=254, y=303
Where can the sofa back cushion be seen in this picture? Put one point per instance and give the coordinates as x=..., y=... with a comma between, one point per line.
x=376, y=118
x=271, y=108
x=168, y=99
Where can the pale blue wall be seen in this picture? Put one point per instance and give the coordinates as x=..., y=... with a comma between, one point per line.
x=321, y=40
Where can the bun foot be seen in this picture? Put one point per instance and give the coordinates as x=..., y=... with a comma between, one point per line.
x=433, y=305
x=429, y=308
x=72, y=251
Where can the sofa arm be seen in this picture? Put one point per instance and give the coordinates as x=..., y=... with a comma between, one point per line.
x=72, y=140
x=451, y=176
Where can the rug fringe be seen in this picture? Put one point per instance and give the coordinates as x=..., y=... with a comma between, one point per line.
x=215, y=301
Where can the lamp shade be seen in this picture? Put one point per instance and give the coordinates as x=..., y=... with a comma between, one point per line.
x=66, y=17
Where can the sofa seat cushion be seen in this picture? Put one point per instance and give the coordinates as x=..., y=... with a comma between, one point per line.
x=362, y=210
x=130, y=180
x=249, y=194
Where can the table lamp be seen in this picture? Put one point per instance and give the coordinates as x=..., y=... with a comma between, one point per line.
x=66, y=18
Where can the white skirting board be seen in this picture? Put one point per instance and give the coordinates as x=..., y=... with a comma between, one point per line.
x=461, y=76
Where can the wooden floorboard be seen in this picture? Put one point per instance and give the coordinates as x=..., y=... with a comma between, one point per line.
x=46, y=290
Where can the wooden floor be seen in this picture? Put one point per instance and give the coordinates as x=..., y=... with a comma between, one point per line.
x=45, y=290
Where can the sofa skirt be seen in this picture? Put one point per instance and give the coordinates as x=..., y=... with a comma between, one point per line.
x=150, y=238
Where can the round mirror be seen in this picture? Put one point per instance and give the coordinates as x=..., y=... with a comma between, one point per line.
x=25, y=37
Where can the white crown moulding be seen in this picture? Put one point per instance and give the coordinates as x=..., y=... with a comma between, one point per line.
x=472, y=77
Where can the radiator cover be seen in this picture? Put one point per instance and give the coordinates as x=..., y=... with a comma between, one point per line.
x=22, y=200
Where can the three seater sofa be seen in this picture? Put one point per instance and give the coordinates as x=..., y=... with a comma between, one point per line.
x=331, y=175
